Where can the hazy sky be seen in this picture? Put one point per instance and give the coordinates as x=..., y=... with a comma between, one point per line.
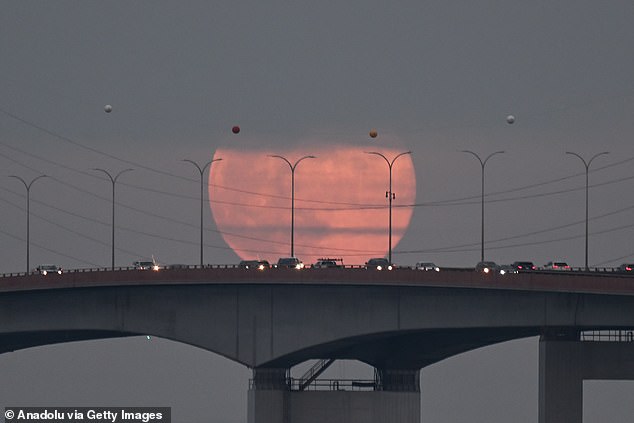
x=433, y=77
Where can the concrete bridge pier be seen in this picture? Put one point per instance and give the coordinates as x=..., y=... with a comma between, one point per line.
x=396, y=399
x=268, y=396
x=565, y=362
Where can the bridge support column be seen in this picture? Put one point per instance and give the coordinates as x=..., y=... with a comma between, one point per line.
x=267, y=400
x=399, y=380
x=270, y=400
x=565, y=364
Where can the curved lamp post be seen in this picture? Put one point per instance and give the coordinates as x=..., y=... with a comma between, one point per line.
x=201, y=170
x=390, y=195
x=587, y=165
x=292, y=166
x=113, y=180
x=482, y=163
x=28, y=213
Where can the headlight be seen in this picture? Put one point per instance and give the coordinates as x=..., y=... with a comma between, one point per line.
x=155, y=267
x=486, y=270
x=379, y=267
x=389, y=267
x=44, y=272
x=261, y=267
x=59, y=272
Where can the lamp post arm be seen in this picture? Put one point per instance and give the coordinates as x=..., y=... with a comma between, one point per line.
x=586, y=164
x=597, y=155
x=106, y=172
x=202, y=169
x=285, y=159
x=399, y=155
x=491, y=155
x=381, y=155
x=302, y=158
x=474, y=155
x=27, y=185
x=120, y=173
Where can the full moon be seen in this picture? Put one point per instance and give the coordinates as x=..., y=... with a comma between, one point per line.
x=341, y=209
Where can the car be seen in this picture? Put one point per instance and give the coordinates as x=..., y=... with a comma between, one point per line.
x=328, y=263
x=507, y=269
x=427, y=266
x=557, y=265
x=289, y=263
x=524, y=266
x=378, y=263
x=625, y=267
x=254, y=264
x=146, y=265
x=487, y=267
x=45, y=269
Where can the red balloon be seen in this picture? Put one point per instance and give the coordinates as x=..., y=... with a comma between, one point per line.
x=235, y=129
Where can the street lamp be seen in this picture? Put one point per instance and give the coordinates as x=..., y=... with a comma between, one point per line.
x=28, y=213
x=482, y=163
x=201, y=170
x=113, y=180
x=292, y=166
x=587, y=165
x=390, y=195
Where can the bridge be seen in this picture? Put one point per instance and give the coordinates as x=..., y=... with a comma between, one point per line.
x=398, y=321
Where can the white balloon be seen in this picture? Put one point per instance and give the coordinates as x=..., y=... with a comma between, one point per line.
x=107, y=108
x=510, y=119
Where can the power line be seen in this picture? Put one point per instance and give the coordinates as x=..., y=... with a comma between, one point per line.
x=361, y=205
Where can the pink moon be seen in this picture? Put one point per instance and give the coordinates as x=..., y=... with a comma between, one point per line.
x=341, y=207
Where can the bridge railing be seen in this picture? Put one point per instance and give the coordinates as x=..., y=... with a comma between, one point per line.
x=617, y=335
x=575, y=271
x=329, y=385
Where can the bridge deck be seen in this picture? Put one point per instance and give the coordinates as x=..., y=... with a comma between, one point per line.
x=582, y=282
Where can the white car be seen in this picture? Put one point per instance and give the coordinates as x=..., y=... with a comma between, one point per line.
x=328, y=263
x=557, y=265
x=427, y=266
x=146, y=265
x=45, y=269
